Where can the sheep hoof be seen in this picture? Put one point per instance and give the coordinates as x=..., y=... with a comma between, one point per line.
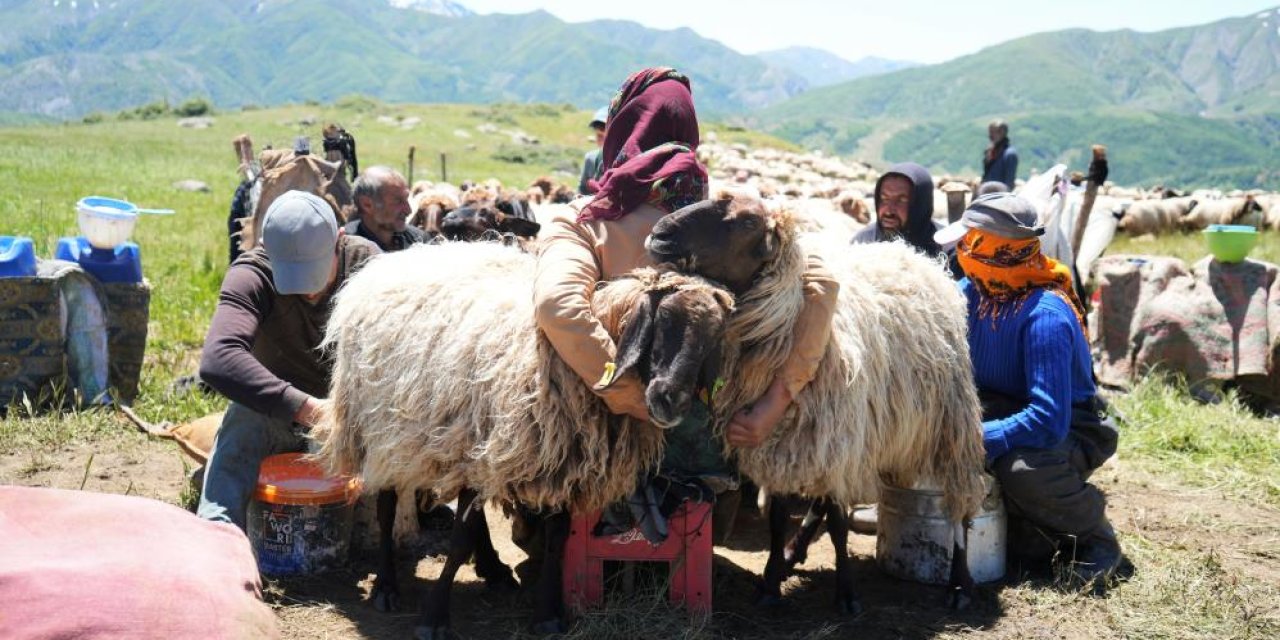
x=432, y=633
x=504, y=584
x=849, y=605
x=386, y=599
x=554, y=626
x=958, y=600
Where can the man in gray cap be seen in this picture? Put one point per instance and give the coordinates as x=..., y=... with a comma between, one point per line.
x=261, y=351
x=1045, y=429
x=593, y=160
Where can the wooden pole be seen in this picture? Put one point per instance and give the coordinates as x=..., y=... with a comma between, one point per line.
x=444, y=167
x=1097, y=175
x=412, y=149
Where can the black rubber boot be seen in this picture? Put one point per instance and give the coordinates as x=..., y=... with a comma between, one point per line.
x=1098, y=555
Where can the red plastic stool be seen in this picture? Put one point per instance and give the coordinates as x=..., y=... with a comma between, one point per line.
x=687, y=549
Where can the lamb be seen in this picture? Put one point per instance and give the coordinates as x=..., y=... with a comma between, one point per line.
x=1156, y=216
x=1244, y=210
x=893, y=399
x=477, y=405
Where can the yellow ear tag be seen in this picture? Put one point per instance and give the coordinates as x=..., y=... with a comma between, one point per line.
x=610, y=369
x=715, y=388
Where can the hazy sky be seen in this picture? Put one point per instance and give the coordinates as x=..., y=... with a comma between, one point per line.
x=897, y=29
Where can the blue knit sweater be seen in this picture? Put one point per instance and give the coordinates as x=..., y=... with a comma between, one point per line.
x=1037, y=353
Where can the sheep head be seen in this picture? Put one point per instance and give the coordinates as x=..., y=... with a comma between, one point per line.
x=673, y=341
x=470, y=223
x=728, y=239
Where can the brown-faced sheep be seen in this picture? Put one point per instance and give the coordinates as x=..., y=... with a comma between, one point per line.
x=442, y=384
x=1156, y=216
x=893, y=398
x=1244, y=210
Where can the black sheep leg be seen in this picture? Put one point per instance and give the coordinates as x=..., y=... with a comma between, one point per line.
x=434, y=623
x=548, y=612
x=960, y=586
x=386, y=589
x=495, y=573
x=838, y=528
x=798, y=549
x=775, y=570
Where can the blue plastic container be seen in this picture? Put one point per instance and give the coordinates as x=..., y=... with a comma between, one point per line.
x=122, y=264
x=17, y=257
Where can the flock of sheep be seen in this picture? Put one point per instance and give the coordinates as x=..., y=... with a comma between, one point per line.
x=444, y=386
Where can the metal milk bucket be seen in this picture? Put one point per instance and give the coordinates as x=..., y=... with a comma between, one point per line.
x=914, y=537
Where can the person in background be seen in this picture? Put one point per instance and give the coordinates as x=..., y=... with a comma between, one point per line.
x=262, y=349
x=592, y=163
x=1000, y=160
x=1044, y=427
x=382, y=210
x=904, y=209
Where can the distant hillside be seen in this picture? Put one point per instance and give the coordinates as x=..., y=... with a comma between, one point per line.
x=1195, y=105
x=62, y=60
x=821, y=68
x=1224, y=68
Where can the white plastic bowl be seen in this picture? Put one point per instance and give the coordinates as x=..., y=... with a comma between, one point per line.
x=106, y=222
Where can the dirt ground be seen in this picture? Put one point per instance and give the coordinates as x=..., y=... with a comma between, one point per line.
x=1191, y=547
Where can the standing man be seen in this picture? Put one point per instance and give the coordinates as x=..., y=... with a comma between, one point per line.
x=593, y=161
x=1000, y=160
x=382, y=210
x=262, y=348
x=904, y=209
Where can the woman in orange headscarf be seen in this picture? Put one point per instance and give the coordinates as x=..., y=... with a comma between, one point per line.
x=1043, y=426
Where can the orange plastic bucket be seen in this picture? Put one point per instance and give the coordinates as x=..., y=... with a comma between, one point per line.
x=300, y=519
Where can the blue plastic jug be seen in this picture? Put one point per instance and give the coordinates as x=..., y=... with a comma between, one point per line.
x=17, y=257
x=121, y=264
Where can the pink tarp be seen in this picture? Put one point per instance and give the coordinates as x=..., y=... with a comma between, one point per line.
x=75, y=564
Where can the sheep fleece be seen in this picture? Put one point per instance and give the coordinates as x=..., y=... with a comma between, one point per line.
x=893, y=399
x=442, y=381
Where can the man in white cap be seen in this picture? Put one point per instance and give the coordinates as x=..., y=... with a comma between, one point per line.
x=261, y=351
x=593, y=160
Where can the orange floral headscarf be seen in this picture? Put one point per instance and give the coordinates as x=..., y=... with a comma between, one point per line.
x=1006, y=271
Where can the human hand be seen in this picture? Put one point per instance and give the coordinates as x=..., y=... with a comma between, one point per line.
x=750, y=427
x=308, y=414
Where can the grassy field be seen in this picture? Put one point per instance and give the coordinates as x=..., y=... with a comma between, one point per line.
x=1194, y=490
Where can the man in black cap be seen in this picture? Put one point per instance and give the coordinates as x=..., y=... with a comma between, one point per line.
x=904, y=209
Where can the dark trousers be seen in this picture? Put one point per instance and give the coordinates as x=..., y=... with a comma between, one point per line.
x=1049, y=488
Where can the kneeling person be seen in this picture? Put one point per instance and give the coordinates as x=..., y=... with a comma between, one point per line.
x=261, y=351
x=1044, y=426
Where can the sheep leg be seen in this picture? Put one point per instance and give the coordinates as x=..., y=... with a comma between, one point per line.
x=838, y=528
x=960, y=587
x=495, y=573
x=775, y=569
x=798, y=549
x=434, y=623
x=548, y=612
x=386, y=589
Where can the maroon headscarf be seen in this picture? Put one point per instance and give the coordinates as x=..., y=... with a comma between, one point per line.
x=650, y=146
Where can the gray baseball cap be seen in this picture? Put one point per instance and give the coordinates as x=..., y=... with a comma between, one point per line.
x=1003, y=214
x=299, y=233
x=600, y=117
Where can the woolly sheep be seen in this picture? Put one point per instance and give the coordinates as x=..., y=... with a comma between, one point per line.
x=1226, y=211
x=893, y=397
x=1155, y=216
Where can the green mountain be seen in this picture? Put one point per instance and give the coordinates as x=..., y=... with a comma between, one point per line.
x=65, y=59
x=821, y=68
x=1189, y=106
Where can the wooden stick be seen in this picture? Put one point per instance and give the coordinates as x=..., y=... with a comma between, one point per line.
x=412, y=150
x=444, y=167
x=1097, y=175
x=148, y=428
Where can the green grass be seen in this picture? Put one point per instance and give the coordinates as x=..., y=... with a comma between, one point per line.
x=1219, y=446
x=1189, y=247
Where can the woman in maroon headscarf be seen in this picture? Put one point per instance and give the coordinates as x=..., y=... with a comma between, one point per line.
x=650, y=169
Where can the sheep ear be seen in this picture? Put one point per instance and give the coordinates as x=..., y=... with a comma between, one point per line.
x=634, y=345
x=519, y=226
